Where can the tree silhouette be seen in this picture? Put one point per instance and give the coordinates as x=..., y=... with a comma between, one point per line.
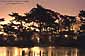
x=2, y=19
x=44, y=17
x=45, y=22
x=69, y=21
x=21, y=32
x=82, y=15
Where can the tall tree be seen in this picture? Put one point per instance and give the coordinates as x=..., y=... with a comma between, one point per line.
x=44, y=17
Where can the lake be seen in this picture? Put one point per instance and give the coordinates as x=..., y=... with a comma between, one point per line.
x=41, y=51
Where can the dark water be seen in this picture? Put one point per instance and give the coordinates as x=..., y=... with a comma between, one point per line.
x=41, y=51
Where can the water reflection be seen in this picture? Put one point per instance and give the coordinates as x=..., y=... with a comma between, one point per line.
x=13, y=51
x=39, y=51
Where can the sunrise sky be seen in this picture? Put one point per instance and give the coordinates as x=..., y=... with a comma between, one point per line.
x=68, y=7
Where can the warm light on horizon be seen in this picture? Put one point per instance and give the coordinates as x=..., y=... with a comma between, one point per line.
x=65, y=7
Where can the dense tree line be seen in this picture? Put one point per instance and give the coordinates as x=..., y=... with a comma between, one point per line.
x=40, y=24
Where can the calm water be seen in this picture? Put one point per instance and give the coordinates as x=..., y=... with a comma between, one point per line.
x=41, y=51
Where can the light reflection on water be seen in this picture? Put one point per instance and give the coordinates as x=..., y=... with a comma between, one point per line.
x=39, y=51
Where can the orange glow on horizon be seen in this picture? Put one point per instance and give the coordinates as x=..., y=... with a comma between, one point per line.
x=65, y=7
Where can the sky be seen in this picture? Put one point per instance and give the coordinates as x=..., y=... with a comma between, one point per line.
x=66, y=7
